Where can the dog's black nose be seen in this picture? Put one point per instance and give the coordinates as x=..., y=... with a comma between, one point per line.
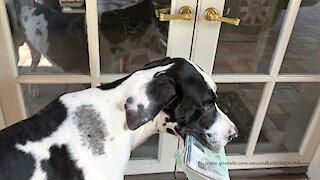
x=237, y=132
x=233, y=135
x=129, y=101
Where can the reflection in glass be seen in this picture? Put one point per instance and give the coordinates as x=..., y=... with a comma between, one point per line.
x=132, y=36
x=249, y=47
x=288, y=116
x=239, y=102
x=302, y=55
x=49, y=36
x=36, y=96
x=147, y=150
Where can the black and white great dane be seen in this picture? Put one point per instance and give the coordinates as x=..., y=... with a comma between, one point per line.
x=89, y=134
x=62, y=37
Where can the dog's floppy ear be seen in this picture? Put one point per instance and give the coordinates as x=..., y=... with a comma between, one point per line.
x=147, y=101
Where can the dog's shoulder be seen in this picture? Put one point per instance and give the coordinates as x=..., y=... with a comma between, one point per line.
x=32, y=129
x=38, y=126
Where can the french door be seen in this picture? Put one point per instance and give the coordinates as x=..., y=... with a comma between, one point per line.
x=267, y=72
x=108, y=40
x=266, y=69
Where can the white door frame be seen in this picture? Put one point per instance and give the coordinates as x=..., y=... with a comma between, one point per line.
x=179, y=43
x=203, y=53
x=2, y=122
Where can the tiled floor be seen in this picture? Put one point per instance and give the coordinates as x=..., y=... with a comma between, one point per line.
x=304, y=43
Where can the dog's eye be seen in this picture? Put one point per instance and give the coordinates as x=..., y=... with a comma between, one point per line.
x=208, y=107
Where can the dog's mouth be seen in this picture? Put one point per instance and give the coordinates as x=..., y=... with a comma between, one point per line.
x=212, y=143
x=203, y=138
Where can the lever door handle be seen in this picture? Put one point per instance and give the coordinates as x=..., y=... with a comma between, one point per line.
x=211, y=14
x=185, y=13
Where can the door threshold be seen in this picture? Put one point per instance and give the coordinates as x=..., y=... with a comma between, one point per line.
x=297, y=173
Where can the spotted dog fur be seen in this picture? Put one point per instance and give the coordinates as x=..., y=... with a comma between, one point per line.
x=89, y=134
x=93, y=132
x=62, y=37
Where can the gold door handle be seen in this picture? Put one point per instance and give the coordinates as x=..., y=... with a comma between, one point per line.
x=211, y=14
x=185, y=13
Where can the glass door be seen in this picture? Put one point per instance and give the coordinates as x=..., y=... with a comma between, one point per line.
x=267, y=73
x=54, y=47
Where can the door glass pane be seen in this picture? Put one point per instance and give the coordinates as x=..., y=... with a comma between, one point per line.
x=239, y=102
x=37, y=96
x=147, y=150
x=302, y=55
x=49, y=37
x=248, y=48
x=130, y=34
x=288, y=116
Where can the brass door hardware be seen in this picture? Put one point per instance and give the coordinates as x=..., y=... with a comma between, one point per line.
x=185, y=13
x=211, y=14
x=226, y=10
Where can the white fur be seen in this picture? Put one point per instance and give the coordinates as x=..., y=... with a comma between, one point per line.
x=206, y=77
x=120, y=140
x=31, y=25
x=139, y=97
x=219, y=130
x=109, y=104
x=40, y=42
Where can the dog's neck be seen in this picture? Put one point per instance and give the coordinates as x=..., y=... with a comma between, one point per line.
x=127, y=87
x=141, y=134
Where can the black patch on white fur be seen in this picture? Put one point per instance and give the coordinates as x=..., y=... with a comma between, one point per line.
x=192, y=95
x=160, y=92
x=65, y=31
x=15, y=164
x=38, y=32
x=92, y=128
x=170, y=131
x=114, y=84
x=60, y=165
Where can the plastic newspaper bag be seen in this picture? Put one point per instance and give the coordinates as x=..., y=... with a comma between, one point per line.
x=198, y=162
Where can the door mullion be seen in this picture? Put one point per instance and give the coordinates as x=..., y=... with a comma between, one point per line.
x=10, y=92
x=278, y=55
x=259, y=118
x=284, y=37
x=2, y=122
x=54, y=79
x=93, y=40
x=206, y=36
x=312, y=137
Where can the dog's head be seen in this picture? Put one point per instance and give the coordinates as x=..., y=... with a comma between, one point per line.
x=188, y=96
